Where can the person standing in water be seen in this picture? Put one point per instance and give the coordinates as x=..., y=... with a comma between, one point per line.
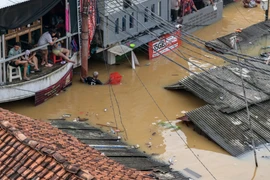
x=92, y=80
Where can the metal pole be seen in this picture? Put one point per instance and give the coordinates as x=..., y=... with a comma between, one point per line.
x=246, y=102
x=266, y=12
x=4, y=56
x=85, y=39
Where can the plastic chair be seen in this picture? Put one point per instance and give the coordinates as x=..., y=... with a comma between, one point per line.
x=55, y=58
x=14, y=73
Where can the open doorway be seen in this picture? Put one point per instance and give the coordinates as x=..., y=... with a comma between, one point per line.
x=55, y=19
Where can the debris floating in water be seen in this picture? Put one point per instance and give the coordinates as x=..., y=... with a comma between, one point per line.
x=147, y=64
x=66, y=115
x=149, y=144
x=112, y=131
x=171, y=160
x=135, y=147
x=168, y=125
x=82, y=119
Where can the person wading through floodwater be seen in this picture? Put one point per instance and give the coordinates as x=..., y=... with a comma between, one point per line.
x=92, y=80
x=114, y=79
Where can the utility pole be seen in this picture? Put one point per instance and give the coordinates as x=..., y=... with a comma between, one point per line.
x=85, y=39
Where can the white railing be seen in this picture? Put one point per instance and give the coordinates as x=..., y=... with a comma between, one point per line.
x=3, y=74
x=4, y=60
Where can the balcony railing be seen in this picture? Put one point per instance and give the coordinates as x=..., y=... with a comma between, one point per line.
x=4, y=61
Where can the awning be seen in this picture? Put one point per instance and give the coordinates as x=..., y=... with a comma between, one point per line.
x=7, y=3
x=120, y=50
x=17, y=13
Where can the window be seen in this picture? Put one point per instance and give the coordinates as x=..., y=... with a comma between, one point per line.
x=131, y=20
x=127, y=3
x=117, y=26
x=153, y=9
x=159, y=8
x=124, y=23
x=146, y=14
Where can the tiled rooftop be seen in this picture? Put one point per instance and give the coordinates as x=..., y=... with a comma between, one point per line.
x=31, y=148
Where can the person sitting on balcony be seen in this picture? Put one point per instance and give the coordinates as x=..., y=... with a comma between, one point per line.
x=58, y=50
x=32, y=60
x=92, y=80
x=16, y=50
x=44, y=39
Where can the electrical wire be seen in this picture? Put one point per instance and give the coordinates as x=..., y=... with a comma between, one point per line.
x=104, y=16
x=211, y=80
x=170, y=123
x=111, y=91
x=171, y=50
x=247, y=108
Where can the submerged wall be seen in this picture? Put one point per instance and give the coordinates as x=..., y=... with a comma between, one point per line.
x=202, y=18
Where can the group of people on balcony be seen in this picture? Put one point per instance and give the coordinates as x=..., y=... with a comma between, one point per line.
x=29, y=58
x=180, y=8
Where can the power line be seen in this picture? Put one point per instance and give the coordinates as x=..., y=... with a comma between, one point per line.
x=111, y=91
x=170, y=123
x=184, y=68
x=208, y=80
x=247, y=108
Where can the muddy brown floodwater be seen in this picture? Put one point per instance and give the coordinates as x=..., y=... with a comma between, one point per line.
x=140, y=102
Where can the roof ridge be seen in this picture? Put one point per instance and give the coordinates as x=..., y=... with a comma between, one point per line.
x=45, y=150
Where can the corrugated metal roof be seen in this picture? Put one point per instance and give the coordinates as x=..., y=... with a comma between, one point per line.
x=231, y=131
x=7, y=3
x=246, y=37
x=115, y=149
x=222, y=87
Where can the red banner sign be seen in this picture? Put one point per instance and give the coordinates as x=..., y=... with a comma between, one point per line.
x=91, y=19
x=165, y=43
x=45, y=94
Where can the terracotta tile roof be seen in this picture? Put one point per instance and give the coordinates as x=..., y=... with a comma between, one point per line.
x=31, y=148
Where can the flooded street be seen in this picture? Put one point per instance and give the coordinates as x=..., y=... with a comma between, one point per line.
x=140, y=105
